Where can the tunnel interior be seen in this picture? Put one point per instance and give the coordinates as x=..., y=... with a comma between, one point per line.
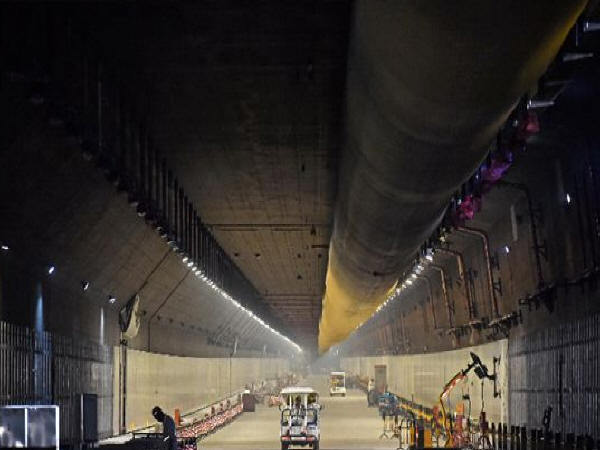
x=204, y=204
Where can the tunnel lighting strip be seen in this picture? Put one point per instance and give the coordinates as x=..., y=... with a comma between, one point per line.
x=237, y=304
x=418, y=268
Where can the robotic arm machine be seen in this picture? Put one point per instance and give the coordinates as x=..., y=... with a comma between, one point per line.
x=482, y=373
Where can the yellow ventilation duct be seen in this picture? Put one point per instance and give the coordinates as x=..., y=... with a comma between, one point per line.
x=429, y=83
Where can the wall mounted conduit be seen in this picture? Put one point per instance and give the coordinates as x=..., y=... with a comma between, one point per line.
x=488, y=265
x=449, y=311
x=538, y=249
x=430, y=298
x=460, y=262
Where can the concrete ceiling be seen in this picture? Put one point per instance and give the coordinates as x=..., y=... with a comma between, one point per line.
x=245, y=101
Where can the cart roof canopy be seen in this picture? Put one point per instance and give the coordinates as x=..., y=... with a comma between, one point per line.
x=298, y=390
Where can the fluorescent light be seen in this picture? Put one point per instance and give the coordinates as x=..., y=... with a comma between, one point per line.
x=507, y=249
x=51, y=270
x=5, y=247
x=568, y=199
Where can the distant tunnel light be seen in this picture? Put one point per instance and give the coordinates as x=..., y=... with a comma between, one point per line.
x=429, y=254
x=198, y=272
x=568, y=199
x=51, y=270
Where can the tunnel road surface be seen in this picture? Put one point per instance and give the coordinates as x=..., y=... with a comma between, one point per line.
x=346, y=423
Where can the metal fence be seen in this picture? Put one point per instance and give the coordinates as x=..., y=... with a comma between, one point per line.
x=41, y=368
x=558, y=367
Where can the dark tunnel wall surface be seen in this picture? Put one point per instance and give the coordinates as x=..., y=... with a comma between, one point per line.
x=59, y=210
x=551, y=324
x=247, y=109
x=425, y=97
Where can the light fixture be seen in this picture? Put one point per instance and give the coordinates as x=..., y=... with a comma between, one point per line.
x=185, y=259
x=5, y=247
x=85, y=285
x=237, y=304
x=111, y=299
x=506, y=249
x=429, y=254
x=568, y=199
x=51, y=270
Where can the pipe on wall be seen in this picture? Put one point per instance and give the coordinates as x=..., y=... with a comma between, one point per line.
x=429, y=298
x=442, y=273
x=428, y=86
x=460, y=262
x=488, y=266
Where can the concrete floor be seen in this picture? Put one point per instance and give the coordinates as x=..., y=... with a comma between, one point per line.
x=346, y=423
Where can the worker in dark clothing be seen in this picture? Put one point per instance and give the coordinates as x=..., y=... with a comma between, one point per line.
x=168, y=427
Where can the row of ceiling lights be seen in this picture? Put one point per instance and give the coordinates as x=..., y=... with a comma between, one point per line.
x=420, y=266
x=201, y=275
x=85, y=285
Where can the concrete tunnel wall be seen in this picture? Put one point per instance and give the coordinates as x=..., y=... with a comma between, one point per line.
x=62, y=211
x=183, y=382
x=423, y=376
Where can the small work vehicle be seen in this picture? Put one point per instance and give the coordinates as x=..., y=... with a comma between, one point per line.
x=337, y=384
x=300, y=417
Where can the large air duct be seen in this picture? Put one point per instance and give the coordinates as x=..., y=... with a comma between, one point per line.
x=429, y=84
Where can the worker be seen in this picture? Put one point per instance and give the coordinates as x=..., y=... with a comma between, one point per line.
x=371, y=392
x=168, y=427
x=298, y=405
